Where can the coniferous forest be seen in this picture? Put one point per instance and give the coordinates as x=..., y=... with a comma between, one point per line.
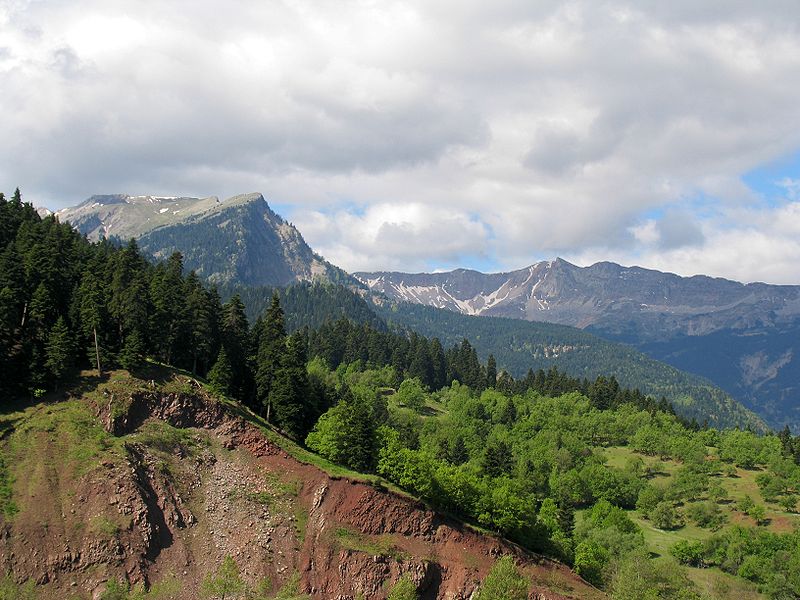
x=580, y=470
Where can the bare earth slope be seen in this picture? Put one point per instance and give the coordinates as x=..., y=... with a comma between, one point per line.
x=157, y=483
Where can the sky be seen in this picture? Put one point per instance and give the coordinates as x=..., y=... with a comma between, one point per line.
x=431, y=134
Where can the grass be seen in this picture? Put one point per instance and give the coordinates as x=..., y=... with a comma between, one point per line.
x=713, y=582
x=104, y=526
x=63, y=438
x=718, y=585
x=163, y=437
x=300, y=522
x=358, y=542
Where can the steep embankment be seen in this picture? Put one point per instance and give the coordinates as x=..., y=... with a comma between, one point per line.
x=157, y=483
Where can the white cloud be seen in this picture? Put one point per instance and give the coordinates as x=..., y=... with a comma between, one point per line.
x=395, y=236
x=561, y=128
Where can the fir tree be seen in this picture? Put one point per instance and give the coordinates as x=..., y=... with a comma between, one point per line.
x=290, y=390
x=131, y=357
x=491, y=372
x=220, y=377
x=234, y=337
x=59, y=350
x=272, y=345
x=92, y=312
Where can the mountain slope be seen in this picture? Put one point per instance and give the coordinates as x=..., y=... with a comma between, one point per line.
x=239, y=240
x=157, y=483
x=739, y=336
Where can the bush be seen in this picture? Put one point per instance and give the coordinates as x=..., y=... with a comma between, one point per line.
x=707, y=515
x=404, y=589
x=664, y=516
x=688, y=553
x=590, y=561
x=649, y=498
x=411, y=394
x=505, y=582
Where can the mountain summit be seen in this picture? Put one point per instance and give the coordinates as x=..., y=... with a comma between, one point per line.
x=239, y=240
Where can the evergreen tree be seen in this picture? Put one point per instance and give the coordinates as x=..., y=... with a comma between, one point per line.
x=201, y=323
x=234, y=337
x=271, y=347
x=226, y=583
x=131, y=357
x=59, y=351
x=290, y=391
x=439, y=365
x=491, y=372
x=169, y=322
x=498, y=459
x=92, y=312
x=220, y=377
x=459, y=454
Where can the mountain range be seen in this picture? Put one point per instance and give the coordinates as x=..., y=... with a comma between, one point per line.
x=740, y=337
x=743, y=337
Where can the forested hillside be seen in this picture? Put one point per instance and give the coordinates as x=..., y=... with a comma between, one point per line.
x=521, y=345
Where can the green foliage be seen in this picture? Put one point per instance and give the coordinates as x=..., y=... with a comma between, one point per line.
x=522, y=345
x=706, y=514
x=590, y=561
x=7, y=505
x=59, y=350
x=411, y=394
x=11, y=590
x=688, y=553
x=226, y=582
x=220, y=377
x=640, y=578
x=115, y=590
x=291, y=589
x=346, y=435
x=748, y=450
x=404, y=589
x=504, y=582
x=665, y=516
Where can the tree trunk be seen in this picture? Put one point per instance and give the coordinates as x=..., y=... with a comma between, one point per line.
x=97, y=352
x=269, y=405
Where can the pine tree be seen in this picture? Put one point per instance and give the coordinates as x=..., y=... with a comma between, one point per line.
x=509, y=415
x=272, y=345
x=92, y=312
x=459, y=454
x=59, y=350
x=360, y=436
x=201, y=325
x=290, y=390
x=234, y=337
x=169, y=322
x=491, y=372
x=220, y=377
x=131, y=357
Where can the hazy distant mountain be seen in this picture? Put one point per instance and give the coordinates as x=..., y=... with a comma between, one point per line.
x=742, y=337
x=239, y=240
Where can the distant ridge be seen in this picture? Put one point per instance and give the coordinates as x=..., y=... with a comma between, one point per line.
x=743, y=337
